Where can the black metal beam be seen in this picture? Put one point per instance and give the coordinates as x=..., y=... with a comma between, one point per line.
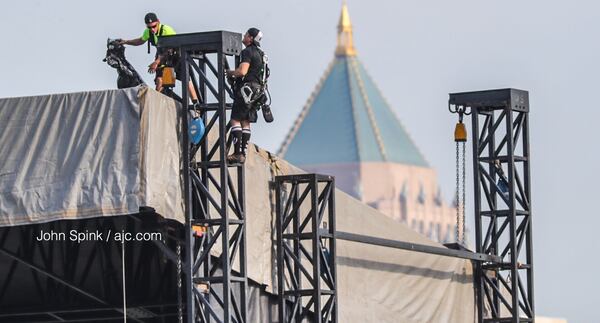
x=65, y=311
x=396, y=244
x=225, y=42
x=52, y=276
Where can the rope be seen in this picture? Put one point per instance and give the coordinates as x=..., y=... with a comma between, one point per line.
x=124, y=285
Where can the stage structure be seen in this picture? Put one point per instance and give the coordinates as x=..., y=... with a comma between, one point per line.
x=501, y=161
x=214, y=201
x=73, y=282
x=306, y=257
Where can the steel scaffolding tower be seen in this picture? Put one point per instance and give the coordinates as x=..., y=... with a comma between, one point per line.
x=214, y=197
x=306, y=264
x=500, y=136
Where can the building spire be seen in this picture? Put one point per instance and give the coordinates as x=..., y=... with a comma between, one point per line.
x=345, y=44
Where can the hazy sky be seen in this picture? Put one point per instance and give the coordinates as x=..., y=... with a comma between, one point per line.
x=417, y=52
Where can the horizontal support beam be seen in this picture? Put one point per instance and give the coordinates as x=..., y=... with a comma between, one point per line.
x=502, y=213
x=82, y=311
x=416, y=247
x=217, y=221
x=210, y=106
x=227, y=42
x=513, y=99
x=214, y=164
x=502, y=159
x=58, y=279
x=306, y=292
x=506, y=320
x=218, y=279
x=303, y=178
x=307, y=235
x=52, y=276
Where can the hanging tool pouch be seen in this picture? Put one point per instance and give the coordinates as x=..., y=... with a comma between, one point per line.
x=169, y=62
x=168, y=76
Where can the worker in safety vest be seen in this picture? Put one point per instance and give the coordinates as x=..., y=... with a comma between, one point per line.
x=154, y=30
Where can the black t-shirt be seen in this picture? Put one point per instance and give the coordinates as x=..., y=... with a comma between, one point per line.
x=252, y=55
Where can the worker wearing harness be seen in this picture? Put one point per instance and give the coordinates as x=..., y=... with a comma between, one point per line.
x=250, y=93
x=154, y=30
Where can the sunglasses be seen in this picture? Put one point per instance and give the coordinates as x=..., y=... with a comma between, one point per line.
x=152, y=27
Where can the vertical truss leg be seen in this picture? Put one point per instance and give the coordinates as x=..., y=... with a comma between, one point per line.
x=214, y=193
x=306, y=248
x=502, y=203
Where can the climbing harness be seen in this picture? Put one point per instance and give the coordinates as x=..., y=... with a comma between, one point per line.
x=257, y=96
x=460, y=137
x=153, y=40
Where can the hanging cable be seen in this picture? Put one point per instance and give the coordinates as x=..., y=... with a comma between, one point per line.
x=124, y=285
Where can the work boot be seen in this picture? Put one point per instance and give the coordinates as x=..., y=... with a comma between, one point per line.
x=237, y=158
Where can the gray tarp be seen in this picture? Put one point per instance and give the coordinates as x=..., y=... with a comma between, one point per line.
x=376, y=284
x=108, y=153
x=89, y=154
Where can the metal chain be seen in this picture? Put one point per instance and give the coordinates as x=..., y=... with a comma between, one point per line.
x=464, y=174
x=460, y=192
x=179, y=300
x=457, y=194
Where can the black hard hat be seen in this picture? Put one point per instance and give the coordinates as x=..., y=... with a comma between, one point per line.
x=255, y=34
x=150, y=17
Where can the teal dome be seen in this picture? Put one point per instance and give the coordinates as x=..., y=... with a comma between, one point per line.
x=347, y=120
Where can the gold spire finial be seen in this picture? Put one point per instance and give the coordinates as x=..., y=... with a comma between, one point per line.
x=345, y=44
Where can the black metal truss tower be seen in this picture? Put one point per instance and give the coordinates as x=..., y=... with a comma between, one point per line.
x=501, y=161
x=215, y=262
x=306, y=256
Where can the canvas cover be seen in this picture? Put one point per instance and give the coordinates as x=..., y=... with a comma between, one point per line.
x=72, y=156
x=376, y=284
x=88, y=154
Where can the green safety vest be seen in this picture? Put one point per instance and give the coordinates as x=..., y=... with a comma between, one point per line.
x=163, y=30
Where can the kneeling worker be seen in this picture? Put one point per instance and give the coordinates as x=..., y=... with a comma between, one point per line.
x=153, y=32
x=250, y=80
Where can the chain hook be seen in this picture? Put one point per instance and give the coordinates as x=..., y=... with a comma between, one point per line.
x=460, y=137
